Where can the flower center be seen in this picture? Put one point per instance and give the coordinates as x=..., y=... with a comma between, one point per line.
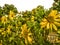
x=50, y=19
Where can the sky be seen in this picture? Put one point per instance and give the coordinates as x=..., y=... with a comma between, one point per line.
x=23, y=5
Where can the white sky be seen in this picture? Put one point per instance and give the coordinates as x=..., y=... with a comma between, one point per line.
x=23, y=5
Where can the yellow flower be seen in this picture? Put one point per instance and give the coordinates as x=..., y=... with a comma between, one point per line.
x=32, y=18
x=26, y=34
x=4, y=19
x=51, y=21
x=11, y=15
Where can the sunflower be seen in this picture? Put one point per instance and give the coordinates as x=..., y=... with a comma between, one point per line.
x=51, y=21
x=11, y=15
x=26, y=34
x=4, y=19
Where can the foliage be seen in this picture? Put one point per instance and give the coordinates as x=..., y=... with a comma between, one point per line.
x=36, y=27
x=56, y=5
x=6, y=8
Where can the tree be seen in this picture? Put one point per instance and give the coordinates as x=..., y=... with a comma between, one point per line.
x=6, y=8
x=56, y=5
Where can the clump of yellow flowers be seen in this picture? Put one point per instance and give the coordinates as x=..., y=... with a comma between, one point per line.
x=11, y=26
x=51, y=21
x=11, y=15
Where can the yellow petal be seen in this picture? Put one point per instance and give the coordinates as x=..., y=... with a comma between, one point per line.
x=57, y=20
x=54, y=26
x=26, y=41
x=43, y=26
x=51, y=26
x=44, y=20
x=30, y=34
x=57, y=23
x=42, y=23
x=58, y=15
x=30, y=39
x=53, y=13
x=55, y=17
x=47, y=25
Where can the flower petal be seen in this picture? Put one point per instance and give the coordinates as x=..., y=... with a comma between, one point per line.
x=53, y=13
x=57, y=20
x=43, y=26
x=51, y=26
x=42, y=23
x=54, y=26
x=47, y=25
x=57, y=23
x=30, y=39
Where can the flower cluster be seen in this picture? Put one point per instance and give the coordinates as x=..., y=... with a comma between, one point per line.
x=13, y=28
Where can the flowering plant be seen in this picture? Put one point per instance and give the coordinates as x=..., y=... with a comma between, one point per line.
x=36, y=27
